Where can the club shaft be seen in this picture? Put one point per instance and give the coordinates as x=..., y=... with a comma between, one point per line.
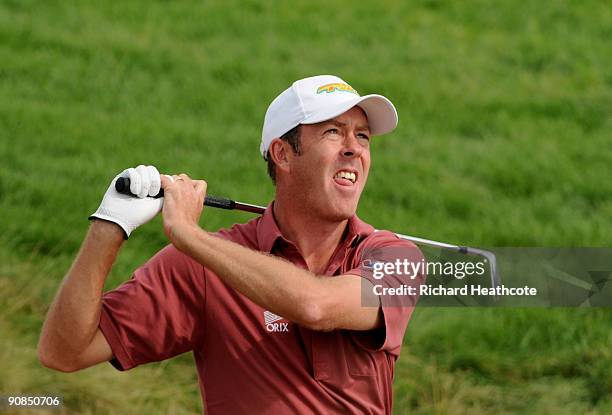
x=487, y=255
x=462, y=249
x=123, y=186
x=245, y=207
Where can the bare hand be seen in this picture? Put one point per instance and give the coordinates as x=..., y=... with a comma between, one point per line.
x=183, y=204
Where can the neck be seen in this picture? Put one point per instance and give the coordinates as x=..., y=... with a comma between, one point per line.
x=315, y=238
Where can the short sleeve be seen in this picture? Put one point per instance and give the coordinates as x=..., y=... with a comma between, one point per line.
x=158, y=313
x=386, y=248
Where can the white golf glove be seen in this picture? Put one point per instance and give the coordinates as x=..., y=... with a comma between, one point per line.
x=129, y=212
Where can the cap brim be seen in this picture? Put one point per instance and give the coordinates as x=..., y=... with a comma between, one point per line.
x=382, y=116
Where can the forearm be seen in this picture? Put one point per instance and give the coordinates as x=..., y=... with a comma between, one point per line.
x=74, y=315
x=270, y=282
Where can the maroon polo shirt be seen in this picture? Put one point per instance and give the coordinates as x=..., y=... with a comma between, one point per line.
x=250, y=360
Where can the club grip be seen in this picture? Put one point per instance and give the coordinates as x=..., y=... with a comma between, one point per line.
x=122, y=185
x=219, y=202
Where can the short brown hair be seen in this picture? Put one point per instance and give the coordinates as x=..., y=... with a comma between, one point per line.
x=293, y=138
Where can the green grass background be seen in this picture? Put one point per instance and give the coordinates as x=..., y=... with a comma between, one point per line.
x=504, y=140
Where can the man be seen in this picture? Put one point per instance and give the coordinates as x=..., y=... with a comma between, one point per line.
x=270, y=329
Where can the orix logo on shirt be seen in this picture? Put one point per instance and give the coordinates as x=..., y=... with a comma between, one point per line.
x=272, y=323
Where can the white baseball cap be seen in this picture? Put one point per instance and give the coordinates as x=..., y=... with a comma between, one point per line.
x=320, y=98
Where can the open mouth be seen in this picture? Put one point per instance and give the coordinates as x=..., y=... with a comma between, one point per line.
x=345, y=177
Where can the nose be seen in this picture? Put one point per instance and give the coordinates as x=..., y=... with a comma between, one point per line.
x=352, y=148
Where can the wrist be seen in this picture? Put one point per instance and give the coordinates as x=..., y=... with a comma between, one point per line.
x=182, y=234
x=103, y=229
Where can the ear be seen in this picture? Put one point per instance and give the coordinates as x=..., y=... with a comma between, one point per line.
x=279, y=152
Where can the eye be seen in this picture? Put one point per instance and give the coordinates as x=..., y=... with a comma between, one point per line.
x=363, y=136
x=332, y=131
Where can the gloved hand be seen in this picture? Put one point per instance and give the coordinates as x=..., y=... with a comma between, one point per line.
x=129, y=212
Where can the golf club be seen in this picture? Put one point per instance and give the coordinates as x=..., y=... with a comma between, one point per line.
x=122, y=185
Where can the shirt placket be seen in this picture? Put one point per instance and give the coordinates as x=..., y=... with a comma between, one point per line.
x=326, y=364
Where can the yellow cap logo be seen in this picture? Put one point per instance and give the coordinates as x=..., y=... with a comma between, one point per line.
x=336, y=87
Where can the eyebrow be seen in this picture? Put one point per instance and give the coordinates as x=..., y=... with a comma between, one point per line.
x=361, y=127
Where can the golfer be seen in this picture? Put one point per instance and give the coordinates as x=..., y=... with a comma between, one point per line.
x=279, y=312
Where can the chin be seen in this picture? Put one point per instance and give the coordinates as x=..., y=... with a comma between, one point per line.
x=341, y=211
x=332, y=206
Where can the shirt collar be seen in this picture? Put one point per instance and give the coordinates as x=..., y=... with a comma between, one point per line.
x=268, y=231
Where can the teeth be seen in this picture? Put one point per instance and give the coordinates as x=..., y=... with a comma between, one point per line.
x=346, y=175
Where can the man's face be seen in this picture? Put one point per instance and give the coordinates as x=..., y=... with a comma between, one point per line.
x=333, y=167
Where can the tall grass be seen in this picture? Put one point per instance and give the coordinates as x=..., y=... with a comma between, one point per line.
x=504, y=140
